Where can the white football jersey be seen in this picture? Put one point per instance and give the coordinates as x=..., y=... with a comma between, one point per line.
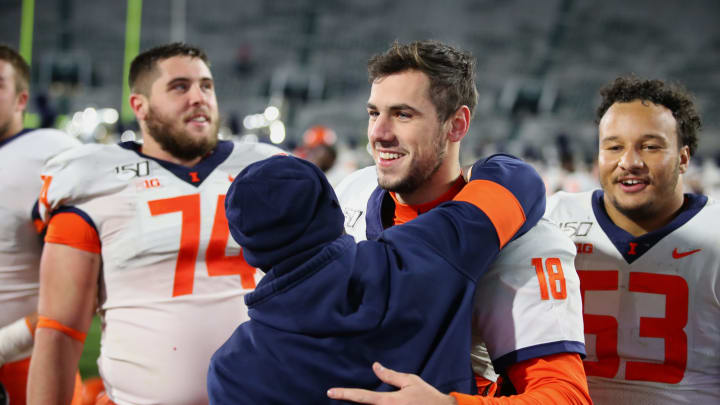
x=528, y=303
x=651, y=303
x=21, y=160
x=172, y=280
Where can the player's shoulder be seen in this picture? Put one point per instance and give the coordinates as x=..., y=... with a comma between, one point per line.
x=244, y=153
x=54, y=136
x=544, y=239
x=43, y=143
x=86, y=156
x=355, y=182
x=563, y=201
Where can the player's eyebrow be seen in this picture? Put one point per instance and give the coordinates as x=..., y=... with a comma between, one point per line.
x=644, y=137
x=397, y=107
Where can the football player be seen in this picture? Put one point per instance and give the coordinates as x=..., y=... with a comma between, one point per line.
x=23, y=152
x=527, y=323
x=648, y=257
x=138, y=232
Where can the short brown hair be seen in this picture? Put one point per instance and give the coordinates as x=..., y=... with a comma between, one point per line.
x=672, y=96
x=22, y=70
x=146, y=62
x=451, y=72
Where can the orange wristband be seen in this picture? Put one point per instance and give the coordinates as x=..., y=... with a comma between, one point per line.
x=45, y=322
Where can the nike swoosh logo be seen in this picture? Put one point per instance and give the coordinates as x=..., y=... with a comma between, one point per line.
x=678, y=255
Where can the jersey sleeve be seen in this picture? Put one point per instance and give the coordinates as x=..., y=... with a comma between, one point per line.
x=520, y=179
x=528, y=305
x=555, y=379
x=74, y=228
x=71, y=178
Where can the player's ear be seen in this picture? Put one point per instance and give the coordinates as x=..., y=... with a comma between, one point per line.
x=458, y=124
x=684, y=159
x=22, y=100
x=139, y=104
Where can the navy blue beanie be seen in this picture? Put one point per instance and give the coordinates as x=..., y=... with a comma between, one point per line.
x=279, y=207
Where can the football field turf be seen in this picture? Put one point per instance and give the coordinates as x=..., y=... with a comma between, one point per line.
x=91, y=351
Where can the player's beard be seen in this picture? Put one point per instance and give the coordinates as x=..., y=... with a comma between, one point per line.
x=4, y=129
x=177, y=141
x=421, y=168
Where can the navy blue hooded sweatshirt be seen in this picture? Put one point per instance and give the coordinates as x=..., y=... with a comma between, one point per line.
x=327, y=307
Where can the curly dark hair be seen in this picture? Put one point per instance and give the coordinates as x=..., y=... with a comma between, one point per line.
x=672, y=96
x=146, y=62
x=451, y=72
x=22, y=70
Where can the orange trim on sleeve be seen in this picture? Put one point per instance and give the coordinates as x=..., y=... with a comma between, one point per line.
x=68, y=228
x=465, y=399
x=555, y=379
x=39, y=225
x=486, y=387
x=498, y=203
x=28, y=323
x=45, y=322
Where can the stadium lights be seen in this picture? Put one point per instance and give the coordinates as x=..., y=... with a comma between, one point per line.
x=271, y=113
x=269, y=120
x=277, y=132
x=90, y=123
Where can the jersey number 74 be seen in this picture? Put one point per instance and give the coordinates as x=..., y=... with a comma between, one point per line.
x=218, y=264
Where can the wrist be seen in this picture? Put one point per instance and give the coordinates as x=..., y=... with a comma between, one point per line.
x=15, y=341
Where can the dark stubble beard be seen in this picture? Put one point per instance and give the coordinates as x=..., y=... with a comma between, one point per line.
x=178, y=142
x=421, y=169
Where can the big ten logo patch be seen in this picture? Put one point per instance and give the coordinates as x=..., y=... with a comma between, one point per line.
x=131, y=170
x=147, y=184
x=576, y=228
x=584, y=248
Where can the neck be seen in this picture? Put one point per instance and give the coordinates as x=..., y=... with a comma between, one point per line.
x=13, y=127
x=637, y=225
x=153, y=149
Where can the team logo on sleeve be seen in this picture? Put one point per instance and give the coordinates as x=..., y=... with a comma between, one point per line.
x=130, y=170
x=351, y=216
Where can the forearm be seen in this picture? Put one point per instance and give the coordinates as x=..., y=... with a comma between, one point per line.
x=52, y=369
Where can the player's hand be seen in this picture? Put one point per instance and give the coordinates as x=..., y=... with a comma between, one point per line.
x=413, y=390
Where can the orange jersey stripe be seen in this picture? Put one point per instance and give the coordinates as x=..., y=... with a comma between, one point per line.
x=14, y=377
x=498, y=203
x=555, y=379
x=68, y=228
x=45, y=322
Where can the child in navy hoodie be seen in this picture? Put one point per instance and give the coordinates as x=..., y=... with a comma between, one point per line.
x=328, y=307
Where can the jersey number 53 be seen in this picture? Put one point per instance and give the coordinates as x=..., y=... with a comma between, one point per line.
x=670, y=328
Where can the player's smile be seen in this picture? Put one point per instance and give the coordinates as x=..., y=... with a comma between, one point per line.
x=387, y=158
x=198, y=120
x=632, y=184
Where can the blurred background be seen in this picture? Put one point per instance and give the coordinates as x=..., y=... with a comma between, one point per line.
x=293, y=72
